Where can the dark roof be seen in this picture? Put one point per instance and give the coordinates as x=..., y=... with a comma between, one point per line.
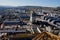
x=14, y=23
x=49, y=18
x=53, y=19
x=56, y=21
x=36, y=14
x=25, y=16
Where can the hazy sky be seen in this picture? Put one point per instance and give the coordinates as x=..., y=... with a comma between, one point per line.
x=51, y=3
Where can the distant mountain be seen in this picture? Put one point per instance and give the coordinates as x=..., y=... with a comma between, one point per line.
x=2, y=8
x=22, y=7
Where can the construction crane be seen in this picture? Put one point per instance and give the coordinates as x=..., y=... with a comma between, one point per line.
x=46, y=36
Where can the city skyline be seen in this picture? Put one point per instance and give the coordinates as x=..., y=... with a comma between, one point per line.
x=46, y=3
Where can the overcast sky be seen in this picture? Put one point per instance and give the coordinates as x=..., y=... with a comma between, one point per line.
x=48, y=3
